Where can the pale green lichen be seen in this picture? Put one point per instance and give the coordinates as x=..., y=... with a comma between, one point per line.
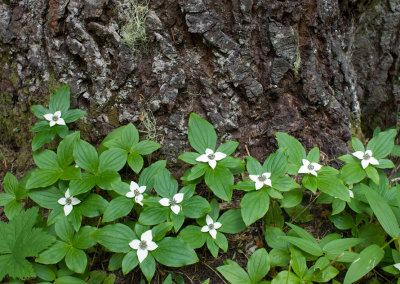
x=134, y=31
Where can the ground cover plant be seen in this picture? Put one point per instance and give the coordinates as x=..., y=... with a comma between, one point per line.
x=78, y=203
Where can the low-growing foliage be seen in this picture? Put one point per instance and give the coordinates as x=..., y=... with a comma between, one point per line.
x=142, y=216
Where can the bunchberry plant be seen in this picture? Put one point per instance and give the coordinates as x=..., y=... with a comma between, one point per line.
x=145, y=217
x=53, y=120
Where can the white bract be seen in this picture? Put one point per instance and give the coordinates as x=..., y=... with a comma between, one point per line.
x=309, y=168
x=397, y=265
x=260, y=180
x=173, y=202
x=351, y=193
x=211, y=158
x=143, y=246
x=136, y=192
x=366, y=158
x=68, y=202
x=54, y=118
x=211, y=227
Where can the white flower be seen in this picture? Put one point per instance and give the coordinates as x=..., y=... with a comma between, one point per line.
x=173, y=203
x=397, y=265
x=136, y=191
x=211, y=227
x=309, y=168
x=144, y=245
x=54, y=118
x=68, y=202
x=211, y=158
x=366, y=158
x=351, y=194
x=260, y=180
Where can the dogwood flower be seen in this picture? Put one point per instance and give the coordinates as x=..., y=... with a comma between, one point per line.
x=173, y=202
x=260, y=180
x=136, y=192
x=211, y=158
x=54, y=118
x=68, y=202
x=211, y=227
x=366, y=158
x=143, y=246
x=309, y=168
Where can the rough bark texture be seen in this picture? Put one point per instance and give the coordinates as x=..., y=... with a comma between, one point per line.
x=317, y=69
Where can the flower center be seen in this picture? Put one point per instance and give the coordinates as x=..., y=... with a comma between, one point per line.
x=211, y=226
x=173, y=202
x=211, y=156
x=55, y=118
x=143, y=245
x=136, y=192
x=68, y=201
x=262, y=178
x=366, y=157
x=310, y=167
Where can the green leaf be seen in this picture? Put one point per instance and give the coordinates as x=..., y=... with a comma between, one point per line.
x=6, y=198
x=160, y=230
x=383, y=213
x=10, y=184
x=313, y=155
x=342, y=221
x=86, y=157
x=68, y=280
x=124, y=137
x=336, y=247
x=148, y=174
x=385, y=164
x=228, y=147
x=293, y=147
x=372, y=174
x=53, y=254
x=84, y=239
x=253, y=166
x=195, y=207
x=272, y=237
x=286, y=277
x=193, y=236
x=12, y=209
x=352, y=173
x=46, y=159
x=135, y=162
x=60, y=100
x=46, y=197
x=39, y=111
x=82, y=185
x=220, y=181
x=148, y=267
x=154, y=215
x=64, y=230
x=129, y=262
x=44, y=272
x=174, y=252
x=189, y=157
x=298, y=262
x=291, y=198
x=116, y=261
x=43, y=177
x=72, y=115
x=279, y=257
x=117, y=208
x=112, y=160
x=70, y=173
x=258, y=265
x=381, y=145
x=65, y=149
x=197, y=171
x=276, y=163
x=305, y=245
x=221, y=241
x=367, y=260
x=146, y=147
x=254, y=205
x=302, y=233
x=212, y=246
x=165, y=184
x=94, y=205
x=310, y=182
x=116, y=237
x=105, y=179
x=357, y=144
x=201, y=134
x=284, y=183
x=333, y=186
x=234, y=273
x=42, y=138
x=76, y=260
x=232, y=222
